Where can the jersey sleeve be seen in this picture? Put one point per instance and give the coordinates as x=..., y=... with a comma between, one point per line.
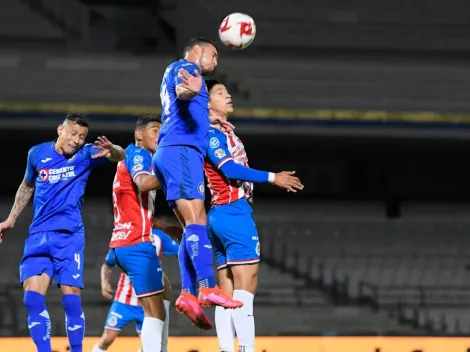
x=138, y=163
x=110, y=259
x=188, y=66
x=218, y=153
x=90, y=151
x=30, y=174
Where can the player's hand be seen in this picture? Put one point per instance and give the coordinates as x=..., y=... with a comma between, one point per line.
x=224, y=125
x=4, y=227
x=104, y=147
x=106, y=290
x=288, y=181
x=190, y=82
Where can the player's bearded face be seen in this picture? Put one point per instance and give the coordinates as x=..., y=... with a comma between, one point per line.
x=71, y=137
x=208, y=57
x=220, y=101
x=149, y=136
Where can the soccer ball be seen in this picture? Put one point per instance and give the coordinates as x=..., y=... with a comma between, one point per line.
x=237, y=31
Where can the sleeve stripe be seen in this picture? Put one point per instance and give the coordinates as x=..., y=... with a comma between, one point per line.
x=223, y=161
x=142, y=172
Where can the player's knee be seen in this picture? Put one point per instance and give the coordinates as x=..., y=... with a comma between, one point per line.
x=153, y=306
x=246, y=277
x=72, y=305
x=106, y=340
x=33, y=301
x=168, y=289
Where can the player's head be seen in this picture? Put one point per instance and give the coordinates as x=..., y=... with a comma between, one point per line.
x=146, y=132
x=203, y=52
x=220, y=100
x=72, y=133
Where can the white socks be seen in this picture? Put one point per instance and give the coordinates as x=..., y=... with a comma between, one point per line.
x=97, y=349
x=244, y=321
x=166, y=326
x=151, y=334
x=225, y=328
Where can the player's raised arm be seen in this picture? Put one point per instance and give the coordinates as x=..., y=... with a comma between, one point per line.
x=109, y=150
x=23, y=196
x=188, y=85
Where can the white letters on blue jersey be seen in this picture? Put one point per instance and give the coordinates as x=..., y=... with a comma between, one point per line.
x=59, y=186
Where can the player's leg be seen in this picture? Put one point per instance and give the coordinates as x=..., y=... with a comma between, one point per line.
x=36, y=271
x=166, y=302
x=223, y=316
x=67, y=251
x=119, y=316
x=187, y=302
x=180, y=170
x=141, y=264
x=237, y=231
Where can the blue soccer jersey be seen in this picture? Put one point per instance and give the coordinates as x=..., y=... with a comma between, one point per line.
x=184, y=122
x=59, y=186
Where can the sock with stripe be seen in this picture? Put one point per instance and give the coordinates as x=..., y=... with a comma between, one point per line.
x=199, y=249
x=188, y=275
x=39, y=323
x=74, y=321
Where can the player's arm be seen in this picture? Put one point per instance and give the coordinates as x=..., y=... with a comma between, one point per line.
x=175, y=231
x=146, y=182
x=140, y=167
x=105, y=148
x=220, y=156
x=188, y=82
x=23, y=196
x=106, y=271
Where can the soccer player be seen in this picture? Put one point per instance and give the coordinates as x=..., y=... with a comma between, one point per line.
x=179, y=167
x=131, y=242
x=56, y=173
x=232, y=230
x=126, y=307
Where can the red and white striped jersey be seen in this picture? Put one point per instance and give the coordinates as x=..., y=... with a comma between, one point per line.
x=125, y=291
x=225, y=146
x=133, y=210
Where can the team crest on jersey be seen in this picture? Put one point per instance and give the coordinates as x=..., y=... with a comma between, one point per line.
x=138, y=159
x=214, y=142
x=112, y=321
x=220, y=153
x=258, y=249
x=43, y=174
x=200, y=187
x=137, y=167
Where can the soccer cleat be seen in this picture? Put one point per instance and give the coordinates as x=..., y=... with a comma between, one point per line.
x=189, y=305
x=218, y=297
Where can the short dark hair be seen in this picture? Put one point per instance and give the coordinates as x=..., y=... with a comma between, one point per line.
x=197, y=41
x=143, y=121
x=210, y=83
x=76, y=118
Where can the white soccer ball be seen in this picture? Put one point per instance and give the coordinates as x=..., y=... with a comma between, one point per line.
x=237, y=31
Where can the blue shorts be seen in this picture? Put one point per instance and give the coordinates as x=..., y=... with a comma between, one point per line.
x=140, y=262
x=120, y=315
x=180, y=172
x=233, y=234
x=58, y=254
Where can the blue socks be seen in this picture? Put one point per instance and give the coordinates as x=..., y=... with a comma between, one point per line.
x=198, y=257
x=38, y=320
x=188, y=275
x=74, y=321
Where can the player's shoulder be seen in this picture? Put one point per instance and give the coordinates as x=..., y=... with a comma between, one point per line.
x=216, y=138
x=39, y=149
x=133, y=150
x=215, y=132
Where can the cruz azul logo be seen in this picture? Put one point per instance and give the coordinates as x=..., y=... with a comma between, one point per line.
x=56, y=175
